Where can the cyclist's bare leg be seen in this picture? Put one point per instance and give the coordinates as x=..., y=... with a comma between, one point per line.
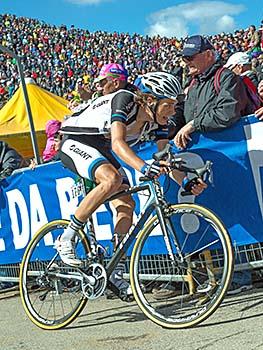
x=124, y=207
x=109, y=181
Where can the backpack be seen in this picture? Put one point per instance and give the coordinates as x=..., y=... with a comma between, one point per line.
x=250, y=88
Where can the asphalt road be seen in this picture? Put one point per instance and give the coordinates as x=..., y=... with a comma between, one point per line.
x=113, y=325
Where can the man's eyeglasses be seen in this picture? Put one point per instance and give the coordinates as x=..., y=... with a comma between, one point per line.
x=189, y=58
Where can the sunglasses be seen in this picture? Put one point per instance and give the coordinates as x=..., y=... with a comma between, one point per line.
x=189, y=58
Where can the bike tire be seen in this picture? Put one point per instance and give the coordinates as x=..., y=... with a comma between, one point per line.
x=182, y=305
x=49, y=301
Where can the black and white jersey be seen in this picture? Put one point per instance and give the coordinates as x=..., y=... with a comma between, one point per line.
x=97, y=117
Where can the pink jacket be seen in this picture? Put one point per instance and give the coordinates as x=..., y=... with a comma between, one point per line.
x=52, y=127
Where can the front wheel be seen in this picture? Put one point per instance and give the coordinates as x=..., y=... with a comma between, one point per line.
x=180, y=280
x=50, y=290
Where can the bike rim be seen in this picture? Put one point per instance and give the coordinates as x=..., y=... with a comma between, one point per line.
x=180, y=305
x=50, y=298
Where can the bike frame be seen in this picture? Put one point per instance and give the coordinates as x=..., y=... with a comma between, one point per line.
x=155, y=203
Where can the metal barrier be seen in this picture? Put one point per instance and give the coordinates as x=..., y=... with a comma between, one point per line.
x=246, y=257
x=9, y=273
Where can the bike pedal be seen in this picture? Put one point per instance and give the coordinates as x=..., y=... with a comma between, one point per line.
x=115, y=292
x=127, y=298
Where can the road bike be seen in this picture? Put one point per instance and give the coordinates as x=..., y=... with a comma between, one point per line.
x=179, y=246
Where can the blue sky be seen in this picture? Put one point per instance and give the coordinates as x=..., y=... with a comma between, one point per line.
x=164, y=17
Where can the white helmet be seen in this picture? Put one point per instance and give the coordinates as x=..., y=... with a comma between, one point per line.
x=160, y=84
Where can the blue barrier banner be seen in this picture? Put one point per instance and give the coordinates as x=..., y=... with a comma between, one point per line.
x=29, y=199
x=236, y=193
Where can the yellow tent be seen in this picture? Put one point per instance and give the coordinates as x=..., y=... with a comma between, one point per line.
x=14, y=125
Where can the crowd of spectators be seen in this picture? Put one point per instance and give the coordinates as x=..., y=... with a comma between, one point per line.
x=61, y=58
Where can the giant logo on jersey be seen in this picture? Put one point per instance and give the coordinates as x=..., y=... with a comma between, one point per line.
x=101, y=103
x=80, y=152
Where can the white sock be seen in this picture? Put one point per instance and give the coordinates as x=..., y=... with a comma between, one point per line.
x=74, y=226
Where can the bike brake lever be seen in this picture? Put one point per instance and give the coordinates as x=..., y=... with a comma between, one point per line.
x=209, y=172
x=211, y=177
x=178, y=161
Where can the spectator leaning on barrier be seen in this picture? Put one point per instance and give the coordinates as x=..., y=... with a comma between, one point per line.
x=206, y=109
x=214, y=102
x=10, y=160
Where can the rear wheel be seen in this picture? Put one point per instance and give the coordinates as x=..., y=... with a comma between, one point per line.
x=50, y=291
x=182, y=287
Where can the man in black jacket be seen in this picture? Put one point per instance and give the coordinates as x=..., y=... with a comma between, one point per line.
x=214, y=101
x=10, y=160
x=205, y=108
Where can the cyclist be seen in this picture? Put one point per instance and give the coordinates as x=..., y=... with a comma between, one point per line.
x=119, y=80
x=105, y=126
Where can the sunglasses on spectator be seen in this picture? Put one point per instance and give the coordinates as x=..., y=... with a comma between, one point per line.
x=189, y=58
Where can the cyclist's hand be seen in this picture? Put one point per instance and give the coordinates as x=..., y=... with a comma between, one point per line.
x=153, y=170
x=195, y=186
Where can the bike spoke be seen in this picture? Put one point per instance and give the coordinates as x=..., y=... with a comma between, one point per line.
x=50, y=295
x=183, y=289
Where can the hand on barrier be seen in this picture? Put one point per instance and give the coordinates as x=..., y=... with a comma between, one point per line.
x=259, y=113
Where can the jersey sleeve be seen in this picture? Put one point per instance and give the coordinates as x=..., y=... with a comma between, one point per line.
x=122, y=105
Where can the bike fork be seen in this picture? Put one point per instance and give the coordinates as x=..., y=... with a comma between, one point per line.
x=167, y=239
